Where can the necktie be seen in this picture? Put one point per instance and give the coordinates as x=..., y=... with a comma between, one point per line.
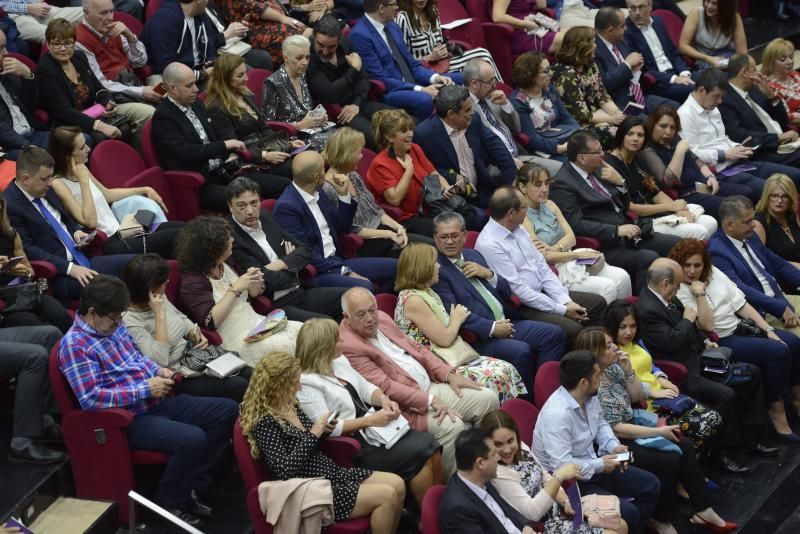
x=488, y=298
x=498, y=126
x=398, y=57
x=62, y=234
x=770, y=279
x=599, y=188
x=672, y=306
x=636, y=89
x=763, y=116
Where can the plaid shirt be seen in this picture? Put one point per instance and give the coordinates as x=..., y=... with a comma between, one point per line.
x=106, y=371
x=17, y=7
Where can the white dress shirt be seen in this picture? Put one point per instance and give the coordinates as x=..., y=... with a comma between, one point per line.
x=662, y=61
x=260, y=238
x=490, y=503
x=408, y=363
x=739, y=246
x=328, y=246
x=705, y=132
x=724, y=298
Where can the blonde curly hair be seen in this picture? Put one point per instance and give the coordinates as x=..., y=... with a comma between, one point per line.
x=274, y=377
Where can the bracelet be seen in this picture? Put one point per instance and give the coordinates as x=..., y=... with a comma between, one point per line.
x=560, y=480
x=771, y=329
x=237, y=292
x=698, y=295
x=631, y=375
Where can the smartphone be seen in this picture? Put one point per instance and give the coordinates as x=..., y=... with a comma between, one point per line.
x=333, y=417
x=586, y=261
x=12, y=262
x=755, y=148
x=624, y=457
x=452, y=187
x=299, y=149
x=700, y=187
x=160, y=89
x=86, y=239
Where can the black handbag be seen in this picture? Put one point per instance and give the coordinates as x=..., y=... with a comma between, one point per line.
x=432, y=201
x=747, y=327
x=719, y=365
x=23, y=297
x=267, y=142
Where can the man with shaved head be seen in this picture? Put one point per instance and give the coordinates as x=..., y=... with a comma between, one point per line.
x=431, y=395
x=311, y=218
x=669, y=332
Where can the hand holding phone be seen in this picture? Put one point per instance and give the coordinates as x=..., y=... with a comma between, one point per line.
x=624, y=457
x=85, y=240
x=11, y=263
x=333, y=417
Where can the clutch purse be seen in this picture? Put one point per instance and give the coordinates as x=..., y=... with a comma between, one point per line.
x=273, y=323
x=457, y=354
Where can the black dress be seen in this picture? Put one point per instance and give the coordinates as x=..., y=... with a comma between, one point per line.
x=288, y=453
x=777, y=240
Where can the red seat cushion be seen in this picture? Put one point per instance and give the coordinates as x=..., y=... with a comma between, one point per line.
x=149, y=457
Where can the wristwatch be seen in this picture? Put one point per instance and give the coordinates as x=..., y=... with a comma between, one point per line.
x=346, y=271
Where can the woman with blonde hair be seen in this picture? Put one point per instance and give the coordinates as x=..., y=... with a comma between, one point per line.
x=421, y=315
x=331, y=385
x=777, y=64
x=287, y=442
x=777, y=219
x=383, y=236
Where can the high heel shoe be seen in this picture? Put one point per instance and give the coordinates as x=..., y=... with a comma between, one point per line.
x=700, y=522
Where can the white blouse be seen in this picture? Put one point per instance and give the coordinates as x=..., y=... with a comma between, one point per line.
x=724, y=299
x=106, y=222
x=509, y=485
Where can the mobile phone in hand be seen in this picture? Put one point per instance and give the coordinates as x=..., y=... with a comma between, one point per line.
x=11, y=263
x=624, y=457
x=333, y=416
x=86, y=239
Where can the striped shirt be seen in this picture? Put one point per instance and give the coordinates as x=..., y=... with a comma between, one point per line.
x=420, y=42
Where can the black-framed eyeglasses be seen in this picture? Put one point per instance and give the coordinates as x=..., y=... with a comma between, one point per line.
x=491, y=82
x=594, y=153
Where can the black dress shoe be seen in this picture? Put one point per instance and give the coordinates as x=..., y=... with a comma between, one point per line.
x=759, y=449
x=726, y=463
x=52, y=433
x=35, y=454
x=198, y=508
x=187, y=517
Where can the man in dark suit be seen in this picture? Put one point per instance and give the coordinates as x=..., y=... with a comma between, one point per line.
x=465, y=278
x=648, y=35
x=48, y=233
x=471, y=503
x=258, y=241
x=595, y=208
x=307, y=215
x=754, y=268
x=379, y=42
x=669, y=332
x=751, y=109
x=621, y=68
x=462, y=148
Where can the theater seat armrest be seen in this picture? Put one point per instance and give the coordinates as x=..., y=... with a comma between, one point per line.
x=376, y=89
x=109, y=418
x=676, y=372
x=341, y=449
x=212, y=336
x=43, y=269
x=290, y=130
x=261, y=304
x=587, y=242
x=184, y=179
x=349, y=244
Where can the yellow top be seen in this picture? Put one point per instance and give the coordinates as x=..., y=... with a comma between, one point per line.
x=642, y=364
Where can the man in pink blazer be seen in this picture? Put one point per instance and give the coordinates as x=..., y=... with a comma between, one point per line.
x=431, y=395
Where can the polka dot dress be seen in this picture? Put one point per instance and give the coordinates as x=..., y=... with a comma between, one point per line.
x=289, y=453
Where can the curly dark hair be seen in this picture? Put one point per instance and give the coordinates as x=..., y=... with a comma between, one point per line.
x=687, y=248
x=201, y=243
x=526, y=69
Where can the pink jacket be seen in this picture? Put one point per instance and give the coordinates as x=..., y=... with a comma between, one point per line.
x=382, y=371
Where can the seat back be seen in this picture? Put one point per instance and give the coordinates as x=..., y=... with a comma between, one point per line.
x=253, y=473
x=148, y=148
x=130, y=21
x=545, y=382
x=151, y=8
x=255, y=82
x=471, y=32
x=62, y=391
x=114, y=163
x=430, y=509
x=174, y=282
x=268, y=204
x=386, y=303
x=367, y=156
x=673, y=23
x=525, y=415
x=480, y=9
x=28, y=62
x=471, y=239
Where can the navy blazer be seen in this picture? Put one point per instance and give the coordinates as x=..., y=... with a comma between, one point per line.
x=545, y=141
x=454, y=288
x=486, y=147
x=378, y=60
x=742, y=122
x=296, y=218
x=24, y=95
x=464, y=512
x=728, y=260
x=616, y=76
x=636, y=41
x=39, y=239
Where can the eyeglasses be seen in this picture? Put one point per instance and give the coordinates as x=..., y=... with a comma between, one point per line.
x=449, y=237
x=61, y=44
x=491, y=82
x=778, y=196
x=547, y=71
x=594, y=153
x=117, y=317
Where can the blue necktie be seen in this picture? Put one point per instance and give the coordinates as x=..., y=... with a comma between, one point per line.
x=79, y=257
x=770, y=279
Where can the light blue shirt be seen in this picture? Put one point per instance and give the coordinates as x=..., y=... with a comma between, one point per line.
x=565, y=433
x=513, y=256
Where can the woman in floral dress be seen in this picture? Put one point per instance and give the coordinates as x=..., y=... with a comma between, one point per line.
x=268, y=24
x=421, y=315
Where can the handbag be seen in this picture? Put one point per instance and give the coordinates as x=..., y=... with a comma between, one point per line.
x=718, y=365
x=601, y=511
x=273, y=323
x=226, y=365
x=23, y=297
x=457, y=354
x=747, y=327
x=386, y=435
x=432, y=200
x=213, y=361
x=268, y=141
x=676, y=406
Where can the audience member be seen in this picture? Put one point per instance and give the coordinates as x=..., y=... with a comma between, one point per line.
x=777, y=64
x=70, y=92
x=431, y=394
x=471, y=502
x=721, y=308
x=597, y=209
x=93, y=205
x=217, y=299
x=571, y=424
x=336, y=76
x=229, y=36
x=712, y=33
x=287, y=442
x=753, y=268
x=181, y=32
x=776, y=218
x=26, y=353
x=662, y=450
x=33, y=16
x=524, y=484
x=465, y=278
x=553, y=237
x=166, y=335
x=528, y=33
x=647, y=34
x=382, y=235
x=669, y=332
x=702, y=126
x=422, y=31
x=399, y=173
x=260, y=242
x=18, y=99
x=578, y=81
x=235, y=115
x=105, y=369
x=113, y=52
x=379, y=42
x=542, y=114
x=329, y=384
x=699, y=423
x=645, y=198
x=752, y=112
x=621, y=68
x=510, y=252
x=307, y=215
x=48, y=232
x=421, y=315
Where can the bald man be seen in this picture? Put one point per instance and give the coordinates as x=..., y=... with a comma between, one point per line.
x=309, y=217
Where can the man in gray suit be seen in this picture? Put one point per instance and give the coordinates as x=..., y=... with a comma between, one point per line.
x=497, y=113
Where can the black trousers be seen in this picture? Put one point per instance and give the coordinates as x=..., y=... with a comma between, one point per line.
x=387, y=248
x=595, y=308
x=313, y=302
x=49, y=312
x=161, y=242
x=637, y=260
